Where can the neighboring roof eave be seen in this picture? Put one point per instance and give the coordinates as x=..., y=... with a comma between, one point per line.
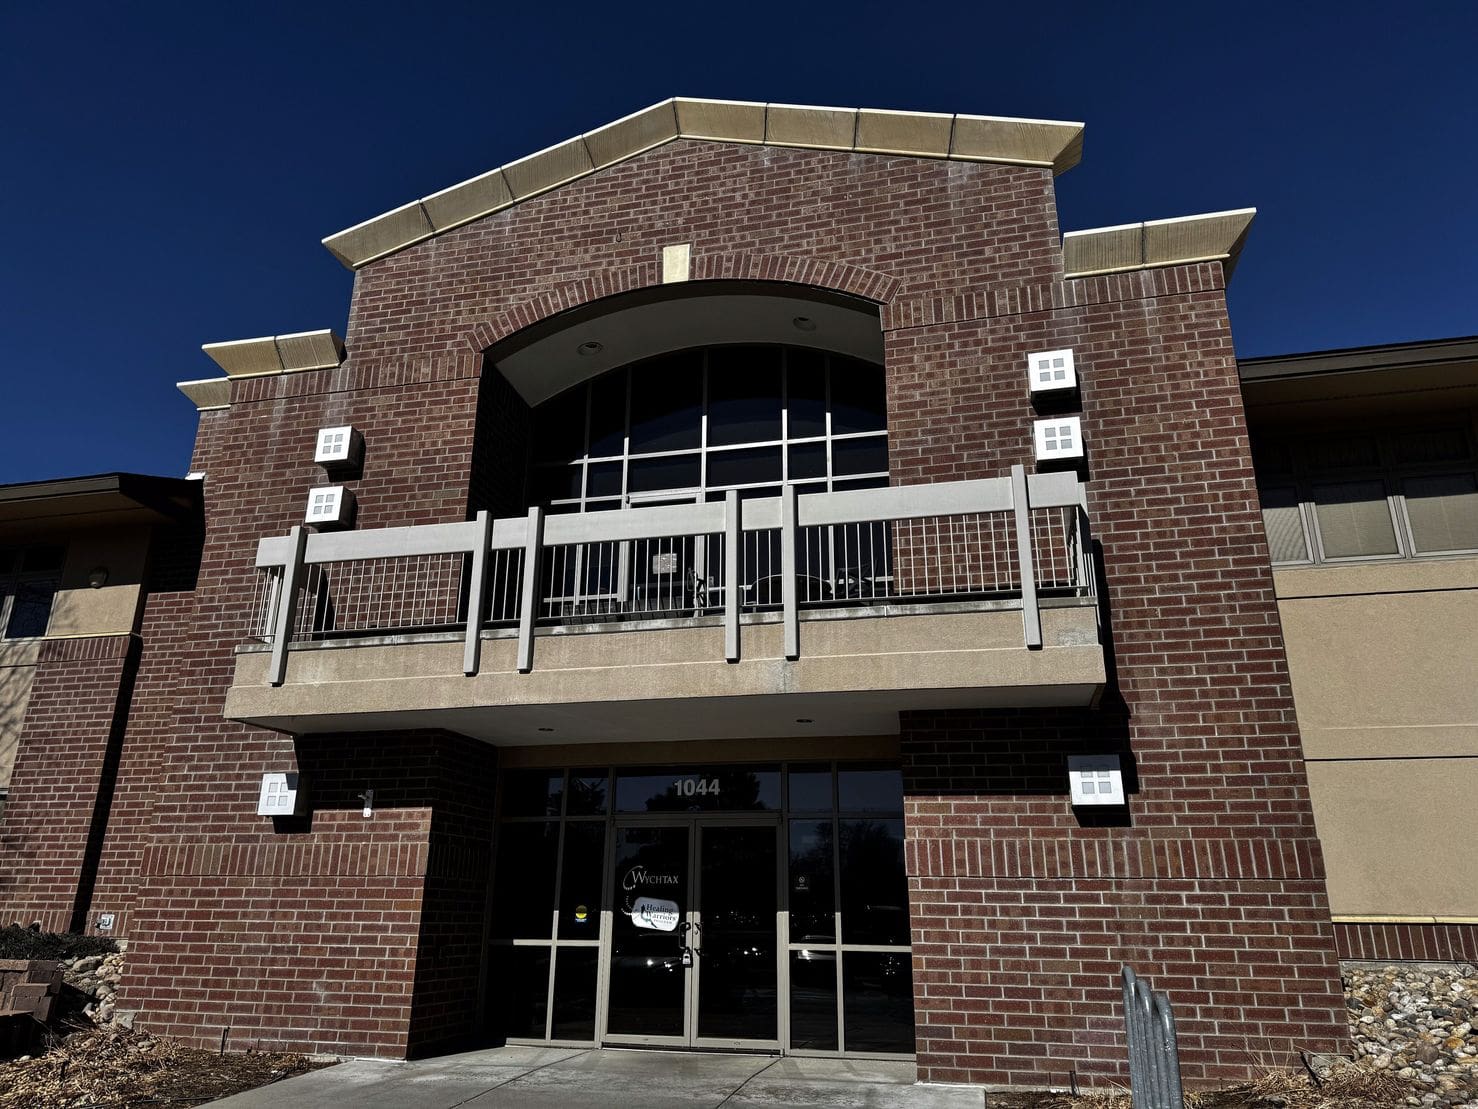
x=1385, y=356
x=1048, y=144
x=160, y=498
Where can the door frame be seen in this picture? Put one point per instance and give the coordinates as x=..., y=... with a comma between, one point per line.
x=693, y=917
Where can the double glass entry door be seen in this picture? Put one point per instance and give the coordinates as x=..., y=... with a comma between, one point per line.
x=694, y=949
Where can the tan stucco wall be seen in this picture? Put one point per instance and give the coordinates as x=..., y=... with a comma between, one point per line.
x=17, y=667
x=1397, y=835
x=1384, y=663
x=79, y=609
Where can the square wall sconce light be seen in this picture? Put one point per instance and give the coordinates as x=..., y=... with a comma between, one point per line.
x=282, y=795
x=1051, y=371
x=1058, y=438
x=329, y=508
x=339, y=448
x=1096, y=779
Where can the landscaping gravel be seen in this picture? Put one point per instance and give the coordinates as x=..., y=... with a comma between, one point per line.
x=1416, y=1022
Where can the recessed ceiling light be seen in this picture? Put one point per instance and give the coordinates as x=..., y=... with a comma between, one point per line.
x=804, y=323
x=586, y=349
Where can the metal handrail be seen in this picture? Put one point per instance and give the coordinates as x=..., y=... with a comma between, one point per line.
x=288, y=558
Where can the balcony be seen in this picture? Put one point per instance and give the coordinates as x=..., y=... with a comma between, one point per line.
x=823, y=612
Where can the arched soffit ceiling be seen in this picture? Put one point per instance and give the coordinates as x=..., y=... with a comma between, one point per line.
x=1043, y=143
x=544, y=360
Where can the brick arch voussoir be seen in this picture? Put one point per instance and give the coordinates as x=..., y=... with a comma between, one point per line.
x=839, y=277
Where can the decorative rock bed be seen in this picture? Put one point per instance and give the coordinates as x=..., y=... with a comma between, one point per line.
x=1416, y=1022
x=98, y=976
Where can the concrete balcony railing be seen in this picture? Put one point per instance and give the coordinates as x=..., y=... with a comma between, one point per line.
x=901, y=588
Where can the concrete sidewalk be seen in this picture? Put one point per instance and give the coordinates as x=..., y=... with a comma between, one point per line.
x=571, y=1077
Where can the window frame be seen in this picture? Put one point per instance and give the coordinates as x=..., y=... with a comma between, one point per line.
x=11, y=581
x=1301, y=477
x=705, y=450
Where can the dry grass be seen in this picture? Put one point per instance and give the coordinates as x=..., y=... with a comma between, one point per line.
x=115, y=1067
x=1348, y=1087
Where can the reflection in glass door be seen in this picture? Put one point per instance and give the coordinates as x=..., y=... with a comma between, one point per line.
x=694, y=946
x=650, y=959
x=736, y=936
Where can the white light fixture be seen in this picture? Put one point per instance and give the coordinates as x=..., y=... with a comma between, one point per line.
x=1058, y=438
x=339, y=448
x=1095, y=779
x=331, y=507
x=282, y=795
x=1051, y=371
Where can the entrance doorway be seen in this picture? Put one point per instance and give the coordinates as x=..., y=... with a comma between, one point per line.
x=704, y=906
x=694, y=942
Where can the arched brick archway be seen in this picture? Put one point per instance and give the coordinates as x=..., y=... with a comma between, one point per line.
x=837, y=277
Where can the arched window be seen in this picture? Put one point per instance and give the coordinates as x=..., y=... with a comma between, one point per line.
x=693, y=424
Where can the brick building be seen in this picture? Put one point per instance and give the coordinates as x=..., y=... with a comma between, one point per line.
x=874, y=636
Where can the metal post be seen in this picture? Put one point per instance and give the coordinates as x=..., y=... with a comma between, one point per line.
x=789, y=587
x=1031, y=617
x=733, y=555
x=477, y=593
x=1154, y=1058
x=287, y=605
x=529, y=600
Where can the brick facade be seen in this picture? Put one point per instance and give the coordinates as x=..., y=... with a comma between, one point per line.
x=363, y=935
x=62, y=785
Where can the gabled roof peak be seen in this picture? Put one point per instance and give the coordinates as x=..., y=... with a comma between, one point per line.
x=1050, y=144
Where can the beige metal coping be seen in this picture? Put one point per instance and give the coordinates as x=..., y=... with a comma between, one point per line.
x=208, y=393
x=1050, y=144
x=271, y=354
x=277, y=354
x=1213, y=237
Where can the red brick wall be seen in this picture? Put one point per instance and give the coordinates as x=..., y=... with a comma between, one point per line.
x=449, y=959
x=165, y=631
x=966, y=259
x=1214, y=887
x=63, y=779
x=312, y=931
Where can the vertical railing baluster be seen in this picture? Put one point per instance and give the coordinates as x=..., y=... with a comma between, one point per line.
x=292, y=574
x=533, y=545
x=476, y=588
x=1031, y=617
x=733, y=537
x=788, y=582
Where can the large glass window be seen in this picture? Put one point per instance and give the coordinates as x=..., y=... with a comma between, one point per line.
x=846, y=968
x=1368, y=494
x=29, y=578
x=708, y=420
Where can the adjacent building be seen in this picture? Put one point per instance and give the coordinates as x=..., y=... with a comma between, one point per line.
x=747, y=581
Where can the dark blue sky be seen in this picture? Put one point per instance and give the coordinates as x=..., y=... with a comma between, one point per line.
x=167, y=170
